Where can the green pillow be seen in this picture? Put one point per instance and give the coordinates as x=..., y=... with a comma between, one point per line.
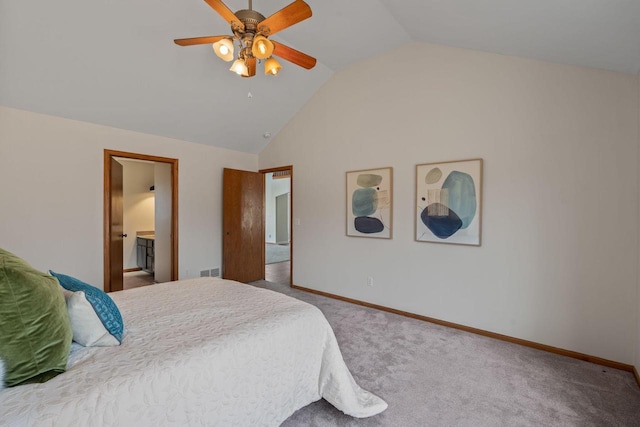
x=35, y=331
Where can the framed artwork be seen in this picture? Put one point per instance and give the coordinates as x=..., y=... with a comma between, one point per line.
x=449, y=202
x=369, y=203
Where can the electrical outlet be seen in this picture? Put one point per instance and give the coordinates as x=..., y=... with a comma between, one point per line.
x=369, y=281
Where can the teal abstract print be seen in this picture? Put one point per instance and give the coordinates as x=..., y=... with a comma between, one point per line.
x=448, y=202
x=369, y=203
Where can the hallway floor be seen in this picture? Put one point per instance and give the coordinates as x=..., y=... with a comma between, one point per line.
x=136, y=279
x=278, y=272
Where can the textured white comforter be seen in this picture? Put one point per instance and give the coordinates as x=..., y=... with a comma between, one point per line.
x=198, y=352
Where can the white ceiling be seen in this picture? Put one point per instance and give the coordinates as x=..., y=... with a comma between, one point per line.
x=113, y=62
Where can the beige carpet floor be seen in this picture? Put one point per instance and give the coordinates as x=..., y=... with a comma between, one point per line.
x=431, y=375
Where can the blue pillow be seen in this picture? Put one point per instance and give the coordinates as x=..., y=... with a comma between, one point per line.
x=105, y=308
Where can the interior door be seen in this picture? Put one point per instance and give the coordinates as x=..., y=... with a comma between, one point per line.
x=243, y=226
x=116, y=228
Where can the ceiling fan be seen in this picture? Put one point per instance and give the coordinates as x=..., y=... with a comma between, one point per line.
x=251, y=30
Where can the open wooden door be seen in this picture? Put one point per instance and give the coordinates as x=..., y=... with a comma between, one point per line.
x=243, y=226
x=116, y=227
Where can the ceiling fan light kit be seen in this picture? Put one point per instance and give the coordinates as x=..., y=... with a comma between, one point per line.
x=240, y=68
x=262, y=47
x=251, y=31
x=272, y=66
x=224, y=49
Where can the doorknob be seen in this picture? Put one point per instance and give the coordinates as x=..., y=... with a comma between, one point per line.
x=123, y=235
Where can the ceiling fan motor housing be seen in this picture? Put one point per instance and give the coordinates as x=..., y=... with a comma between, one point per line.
x=250, y=19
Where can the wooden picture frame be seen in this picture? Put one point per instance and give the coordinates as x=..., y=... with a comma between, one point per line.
x=449, y=202
x=370, y=203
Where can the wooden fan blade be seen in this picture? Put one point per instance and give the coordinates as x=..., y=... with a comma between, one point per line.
x=198, y=40
x=251, y=66
x=292, y=55
x=225, y=12
x=285, y=17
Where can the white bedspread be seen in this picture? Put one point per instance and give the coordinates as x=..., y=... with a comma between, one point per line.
x=198, y=352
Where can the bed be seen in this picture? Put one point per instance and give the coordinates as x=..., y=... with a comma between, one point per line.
x=198, y=352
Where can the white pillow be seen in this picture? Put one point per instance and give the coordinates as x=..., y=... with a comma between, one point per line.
x=87, y=327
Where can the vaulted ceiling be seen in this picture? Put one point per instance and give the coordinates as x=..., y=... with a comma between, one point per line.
x=113, y=62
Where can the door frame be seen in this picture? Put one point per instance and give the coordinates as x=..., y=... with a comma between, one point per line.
x=264, y=172
x=108, y=155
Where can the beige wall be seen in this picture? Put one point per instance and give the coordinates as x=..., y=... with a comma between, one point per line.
x=162, y=242
x=559, y=249
x=138, y=206
x=637, y=360
x=51, y=170
x=273, y=189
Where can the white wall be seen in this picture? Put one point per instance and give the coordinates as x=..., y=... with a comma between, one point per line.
x=273, y=188
x=138, y=204
x=51, y=170
x=558, y=258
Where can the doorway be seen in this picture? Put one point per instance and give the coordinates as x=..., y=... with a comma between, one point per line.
x=278, y=208
x=147, y=246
